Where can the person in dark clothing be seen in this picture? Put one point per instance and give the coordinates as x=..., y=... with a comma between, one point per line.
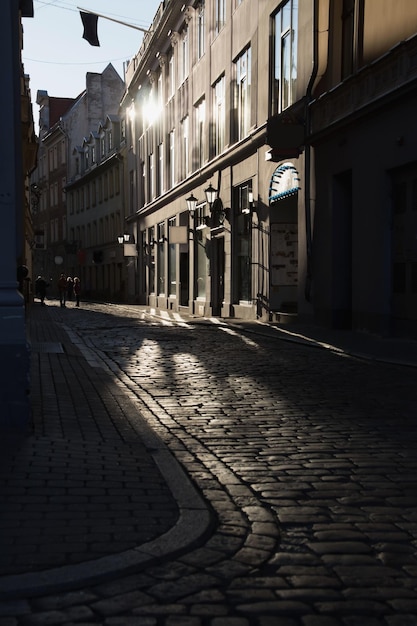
x=40, y=288
x=62, y=288
x=77, y=290
x=70, y=288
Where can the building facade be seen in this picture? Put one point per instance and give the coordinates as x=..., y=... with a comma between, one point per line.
x=48, y=183
x=68, y=160
x=265, y=156
x=363, y=135
x=96, y=211
x=198, y=97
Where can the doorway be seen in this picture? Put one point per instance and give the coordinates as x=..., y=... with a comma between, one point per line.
x=217, y=283
x=184, y=279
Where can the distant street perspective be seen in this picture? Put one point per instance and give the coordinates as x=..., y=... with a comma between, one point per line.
x=303, y=460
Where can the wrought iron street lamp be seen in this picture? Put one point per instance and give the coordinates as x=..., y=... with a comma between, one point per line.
x=211, y=195
x=191, y=204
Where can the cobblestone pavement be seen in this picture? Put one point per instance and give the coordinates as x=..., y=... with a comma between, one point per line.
x=306, y=457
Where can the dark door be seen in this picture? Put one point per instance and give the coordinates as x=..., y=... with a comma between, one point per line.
x=218, y=276
x=184, y=279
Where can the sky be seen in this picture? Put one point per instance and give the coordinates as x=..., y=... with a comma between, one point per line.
x=56, y=56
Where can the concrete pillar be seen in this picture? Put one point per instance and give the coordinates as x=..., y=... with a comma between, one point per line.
x=14, y=351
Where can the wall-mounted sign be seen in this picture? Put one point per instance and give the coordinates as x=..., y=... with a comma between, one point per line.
x=178, y=234
x=285, y=182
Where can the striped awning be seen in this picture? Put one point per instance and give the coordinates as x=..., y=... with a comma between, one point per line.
x=284, y=183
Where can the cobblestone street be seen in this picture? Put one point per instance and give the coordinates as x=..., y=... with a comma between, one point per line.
x=306, y=458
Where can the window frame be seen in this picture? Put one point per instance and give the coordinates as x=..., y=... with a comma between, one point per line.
x=284, y=57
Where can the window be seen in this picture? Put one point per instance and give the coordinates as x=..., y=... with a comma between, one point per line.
x=242, y=94
x=160, y=181
x=131, y=191
x=200, y=116
x=111, y=183
x=184, y=55
x=172, y=261
x=82, y=198
x=161, y=258
x=106, y=186
x=219, y=112
x=151, y=238
x=87, y=196
x=201, y=266
x=242, y=247
x=285, y=37
x=220, y=14
x=93, y=192
x=151, y=176
x=171, y=76
x=352, y=36
x=201, y=40
x=172, y=158
x=185, y=165
x=160, y=94
x=54, y=230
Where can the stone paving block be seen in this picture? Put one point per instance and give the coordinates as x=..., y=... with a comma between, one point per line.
x=352, y=607
x=121, y=603
x=130, y=621
x=334, y=455
x=277, y=608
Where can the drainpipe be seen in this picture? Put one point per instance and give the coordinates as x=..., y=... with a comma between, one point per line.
x=308, y=149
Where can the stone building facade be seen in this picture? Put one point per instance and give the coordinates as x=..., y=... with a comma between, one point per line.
x=362, y=132
x=68, y=160
x=198, y=97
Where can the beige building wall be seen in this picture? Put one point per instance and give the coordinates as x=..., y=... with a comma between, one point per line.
x=240, y=162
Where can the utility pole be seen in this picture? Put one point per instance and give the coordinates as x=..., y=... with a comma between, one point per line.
x=14, y=351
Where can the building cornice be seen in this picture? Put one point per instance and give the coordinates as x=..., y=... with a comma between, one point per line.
x=384, y=80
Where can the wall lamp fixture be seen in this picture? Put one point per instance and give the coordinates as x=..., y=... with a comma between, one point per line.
x=125, y=238
x=211, y=195
x=191, y=204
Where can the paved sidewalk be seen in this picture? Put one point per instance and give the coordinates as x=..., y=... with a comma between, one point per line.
x=363, y=345
x=91, y=490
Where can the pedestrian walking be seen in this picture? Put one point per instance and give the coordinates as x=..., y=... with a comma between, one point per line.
x=70, y=288
x=40, y=289
x=62, y=288
x=77, y=290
